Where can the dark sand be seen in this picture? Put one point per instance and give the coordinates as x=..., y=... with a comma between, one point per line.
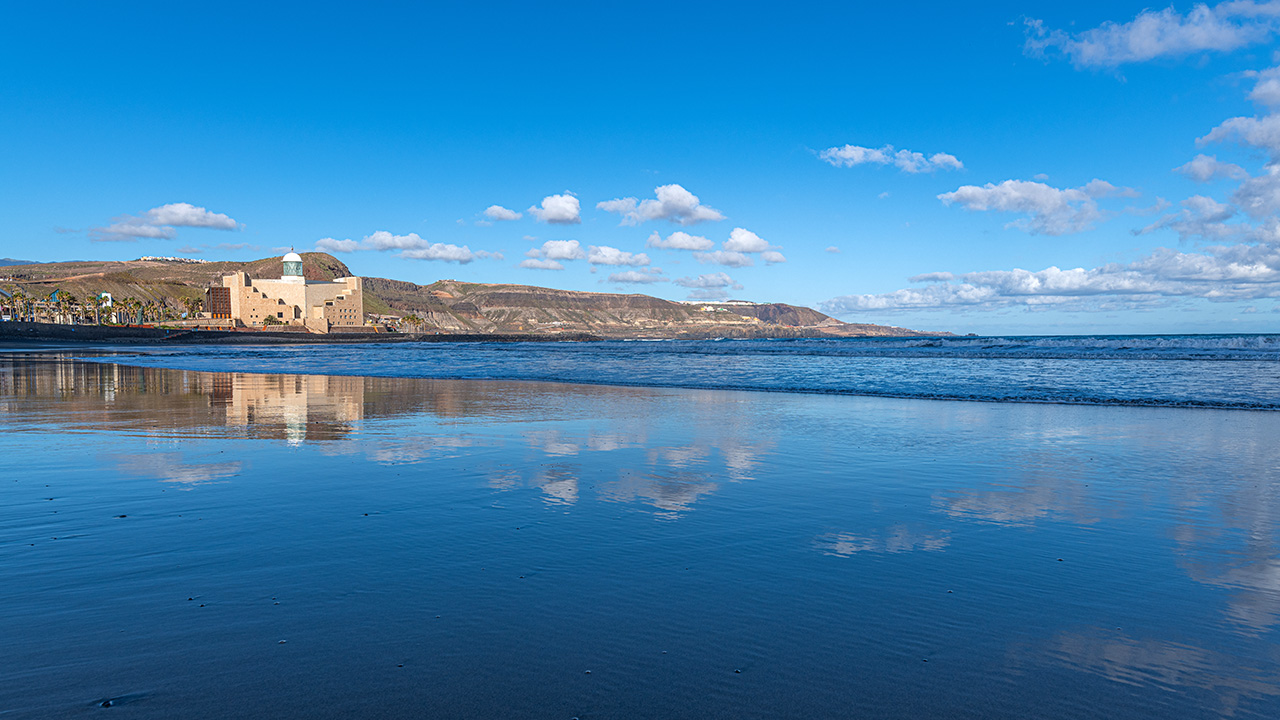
x=215, y=545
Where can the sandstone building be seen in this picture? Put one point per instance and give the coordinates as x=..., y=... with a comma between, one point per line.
x=291, y=300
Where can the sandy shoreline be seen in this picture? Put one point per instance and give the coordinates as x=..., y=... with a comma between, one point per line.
x=473, y=548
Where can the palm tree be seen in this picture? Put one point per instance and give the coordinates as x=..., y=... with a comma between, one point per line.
x=193, y=306
x=20, y=303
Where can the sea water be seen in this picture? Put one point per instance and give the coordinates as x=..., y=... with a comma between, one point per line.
x=282, y=533
x=1229, y=371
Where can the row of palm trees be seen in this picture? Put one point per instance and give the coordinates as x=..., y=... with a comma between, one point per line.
x=67, y=308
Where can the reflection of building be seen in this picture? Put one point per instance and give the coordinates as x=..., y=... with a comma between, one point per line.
x=291, y=300
x=295, y=407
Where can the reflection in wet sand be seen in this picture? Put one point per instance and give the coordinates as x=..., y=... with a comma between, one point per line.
x=388, y=508
x=1171, y=666
x=894, y=539
x=175, y=467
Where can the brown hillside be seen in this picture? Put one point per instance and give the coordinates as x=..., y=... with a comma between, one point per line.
x=448, y=306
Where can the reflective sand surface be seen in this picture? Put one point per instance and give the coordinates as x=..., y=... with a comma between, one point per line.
x=189, y=544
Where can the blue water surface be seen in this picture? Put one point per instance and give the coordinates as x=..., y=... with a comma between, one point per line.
x=1230, y=371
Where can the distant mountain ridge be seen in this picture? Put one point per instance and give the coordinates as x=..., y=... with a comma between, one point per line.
x=449, y=306
x=5, y=262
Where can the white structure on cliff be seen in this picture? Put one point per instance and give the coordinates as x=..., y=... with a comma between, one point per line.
x=291, y=300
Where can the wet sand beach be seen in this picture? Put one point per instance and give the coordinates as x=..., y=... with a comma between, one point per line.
x=178, y=543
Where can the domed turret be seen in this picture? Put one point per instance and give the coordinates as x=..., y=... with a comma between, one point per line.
x=292, y=267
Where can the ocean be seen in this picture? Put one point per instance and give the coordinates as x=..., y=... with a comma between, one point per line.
x=956, y=527
x=1228, y=371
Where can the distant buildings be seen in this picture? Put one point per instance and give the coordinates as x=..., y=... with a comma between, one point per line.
x=290, y=301
x=172, y=259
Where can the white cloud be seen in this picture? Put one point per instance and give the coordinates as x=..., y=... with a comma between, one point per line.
x=605, y=255
x=559, y=250
x=546, y=256
x=905, y=160
x=501, y=214
x=638, y=277
x=411, y=246
x=1052, y=211
x=832, y=249
x=727, y=258
x=128, y=231
x=334, y=245
x=1228, y=273
x=188, y=215
x=558, y=210
x=1159, y=33
x=447, y=253
x=1262, y=133
x=1200, y=216
x=383, y=240
x=1267, y=90
x=673, y=203
x=1204, y=168
x=1259, y=196
x=743, y=240
x=773, y=257
x=537, y=264
x=679, y=240
x=709, y=280
x=159, y=223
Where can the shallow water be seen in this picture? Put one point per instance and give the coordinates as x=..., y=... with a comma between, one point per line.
x=1228, y=371
x=469, y=548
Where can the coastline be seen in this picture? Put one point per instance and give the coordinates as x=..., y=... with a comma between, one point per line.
x=27, y=332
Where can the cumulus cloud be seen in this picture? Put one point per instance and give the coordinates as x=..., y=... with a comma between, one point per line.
x=679, y=240
x=1259, y=132
x=501, y=214
x=547, y=256
x=1267, y=90
x=772, y=257
x=673, y=203
x=1204, y=168
x=540, y=264
x=728, y=258
x=448, y=253
x=605, y=255
x=832, y=249
x=383, y=240
x=411, y=246
x=1200, y=217
x=1159, y=33
x=638, y=277
x=558, y=250
x=333, y=245
x=558, y=210
x=159, y=223
x=1051, y=211
x=709, y=280
x=905, y=160
x=743, y=240
x=1225, y=273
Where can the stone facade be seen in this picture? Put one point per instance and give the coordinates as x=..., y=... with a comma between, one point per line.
x=291, y=300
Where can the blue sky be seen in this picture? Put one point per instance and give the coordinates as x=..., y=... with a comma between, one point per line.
x=1038, y=191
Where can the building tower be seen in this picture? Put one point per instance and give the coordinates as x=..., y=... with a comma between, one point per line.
x=293, y=269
